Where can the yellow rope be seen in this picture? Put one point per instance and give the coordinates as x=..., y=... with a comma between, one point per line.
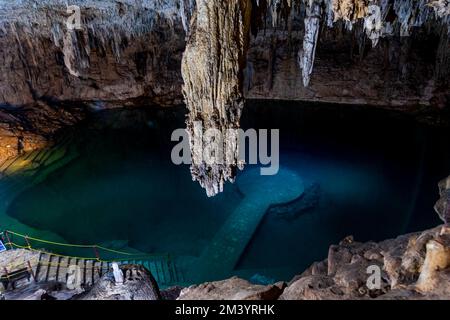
x=142, y=257
x=7, y=276
x=75, y=245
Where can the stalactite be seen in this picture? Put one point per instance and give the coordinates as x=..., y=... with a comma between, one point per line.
x=373, y=24
x=377, y=21
x=186, y=10
x=442, y=69
x=329, y=12
x=70, y=52
x=442, y=10
x=349, y=10
x=212, y=69
x=275, y=9
x=308, y=52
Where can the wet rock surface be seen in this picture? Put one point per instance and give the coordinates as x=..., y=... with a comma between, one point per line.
x=138, y=284
x=27, y=128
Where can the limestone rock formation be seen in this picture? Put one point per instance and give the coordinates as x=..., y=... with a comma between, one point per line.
x=119, y=51
x=350, y=266
x=138, y=284
x=442, y=207
x=129, y=53
x=232, y=289
x=212, y=69
x=340, y=54
x=30, y=128
x=437, y=259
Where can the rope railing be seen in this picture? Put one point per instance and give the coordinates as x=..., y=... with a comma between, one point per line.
x=10, y=241
x=9, y=236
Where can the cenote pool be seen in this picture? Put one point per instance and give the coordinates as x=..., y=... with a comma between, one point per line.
x=366, y=173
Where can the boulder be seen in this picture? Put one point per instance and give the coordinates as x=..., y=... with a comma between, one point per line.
x=232, y=289
x=138, y=284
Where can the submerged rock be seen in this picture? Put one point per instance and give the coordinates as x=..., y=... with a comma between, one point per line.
x=309, y=200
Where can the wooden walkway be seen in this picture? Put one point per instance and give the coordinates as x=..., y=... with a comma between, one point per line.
x=47, y=267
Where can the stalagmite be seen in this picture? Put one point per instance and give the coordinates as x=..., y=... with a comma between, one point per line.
x=212, y=70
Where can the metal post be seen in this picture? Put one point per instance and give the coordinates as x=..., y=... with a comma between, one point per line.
x=28, y=242
x=9, y=240
x=31, y=270
x=96, y=253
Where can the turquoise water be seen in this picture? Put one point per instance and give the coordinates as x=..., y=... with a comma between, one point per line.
x=374, y=174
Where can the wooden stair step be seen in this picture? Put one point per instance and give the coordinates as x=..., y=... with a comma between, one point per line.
x=37, y=267
x=154, y=271
x=81, y=264
x=89, y=272
x=161, y=271
x=53, y=268
x=63, y=268
x=97, y=272
x=43, y=268
x=5, y=165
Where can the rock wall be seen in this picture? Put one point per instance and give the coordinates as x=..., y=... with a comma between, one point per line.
x=121, y=51
x=28, y=128
x=338, y=52
x=129, y=52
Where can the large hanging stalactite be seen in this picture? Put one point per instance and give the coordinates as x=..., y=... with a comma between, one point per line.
x=212, y=70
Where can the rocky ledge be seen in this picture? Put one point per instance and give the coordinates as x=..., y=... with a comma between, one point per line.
x=414, y=266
